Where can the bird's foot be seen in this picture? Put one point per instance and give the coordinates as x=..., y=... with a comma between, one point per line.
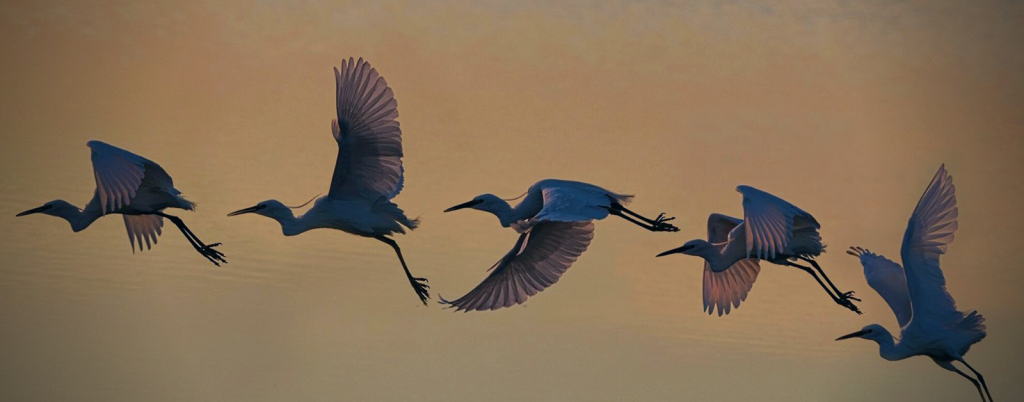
x=212, y=254
x=849, y=295
x=421, y=288
x=845, y=302
x=661, y=225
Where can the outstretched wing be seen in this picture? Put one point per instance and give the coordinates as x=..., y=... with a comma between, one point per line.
x=719, y=227
x=727, y=289
x=537, y=261
x=369, y=138
x=770, y=221
x=143, y=228
x=120, y=173
x=928, y=234
x=888, y=279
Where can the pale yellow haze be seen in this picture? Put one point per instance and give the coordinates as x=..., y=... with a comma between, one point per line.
x=844, y=108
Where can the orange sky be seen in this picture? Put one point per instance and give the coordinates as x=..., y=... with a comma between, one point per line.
x=846, y=110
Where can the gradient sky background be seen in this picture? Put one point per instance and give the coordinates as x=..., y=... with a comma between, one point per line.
x=844, y=108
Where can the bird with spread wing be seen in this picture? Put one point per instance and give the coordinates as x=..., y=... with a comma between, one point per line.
x=368, y=173
x=930, y=323
x=772, y=230
x=136, y=188
x=555, y=227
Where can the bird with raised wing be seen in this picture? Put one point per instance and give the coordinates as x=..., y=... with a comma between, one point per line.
x=368, y=173
x=136, y=188
x=771, y=230
x=554, y=222
x=930, y=323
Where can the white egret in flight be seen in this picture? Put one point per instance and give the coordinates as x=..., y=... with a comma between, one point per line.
x=368, y=172
x=554, y=222
x=930, y=324
x=772, y=230
x=136, y=188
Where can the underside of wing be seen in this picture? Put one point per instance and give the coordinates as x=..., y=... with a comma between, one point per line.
x=719, y=227
x=929, y=232
x=369, y=138
x=727, y=289
x=143, y=228
x=120, y=173
x=887, y=278
x=537, y=261
x=769, y=222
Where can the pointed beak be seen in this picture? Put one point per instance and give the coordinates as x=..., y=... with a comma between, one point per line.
x=673, y=251
x=245, y=210
x=34, y=210
x=462, y=206
x=853, y=335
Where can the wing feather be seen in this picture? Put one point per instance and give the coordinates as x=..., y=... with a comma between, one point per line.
x=887, y=278
x=930, y=230
x=537, y=261
x=143, y=228
x=369, y=138
x=770, y=221
x=119, y=175
x=719, y=227
x=727, y=289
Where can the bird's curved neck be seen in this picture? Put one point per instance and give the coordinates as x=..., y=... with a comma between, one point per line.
x=81, y=218
x=721, y=255
x=290, y=225
x=505, y=213
x=890, y=350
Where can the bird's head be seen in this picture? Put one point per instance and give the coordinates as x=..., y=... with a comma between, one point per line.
x=485, y=202
x=872, y=332
x=58, y=208
x=269, y=208
x=692, y=247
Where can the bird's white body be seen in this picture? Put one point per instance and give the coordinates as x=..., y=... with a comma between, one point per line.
x=135, y=187
x=930, y=323
x=555, y=200
x=554, y=220
x=353, y=216
x=368, y=172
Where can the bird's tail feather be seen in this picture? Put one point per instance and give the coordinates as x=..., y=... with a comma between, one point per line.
x=973, y=324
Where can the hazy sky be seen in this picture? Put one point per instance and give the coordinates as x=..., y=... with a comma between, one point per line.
x=844, y=108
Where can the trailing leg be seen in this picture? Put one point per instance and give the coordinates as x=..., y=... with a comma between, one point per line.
x=658, y=224
x=839, y=301
x=208, y=251
x=842, y=295
x=980, y=378
x=949, y=366
x=418, y=284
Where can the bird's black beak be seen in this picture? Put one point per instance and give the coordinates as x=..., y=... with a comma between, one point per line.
x=853, y=335
x=463, y=205
x=246, y=210
x=674, y=251
x=34, y=210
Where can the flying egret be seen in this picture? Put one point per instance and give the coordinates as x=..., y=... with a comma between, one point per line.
x=930, y=324
x=554, y=222
x=772, y=230
x=368, y=172
x=136, y=188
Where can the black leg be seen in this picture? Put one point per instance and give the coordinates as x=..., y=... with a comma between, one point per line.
x=842, y=295
x=972, y=380
x=839, y=301
x=208, y=251
x=658, y=224
x=980, y=378
x=418, y=284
